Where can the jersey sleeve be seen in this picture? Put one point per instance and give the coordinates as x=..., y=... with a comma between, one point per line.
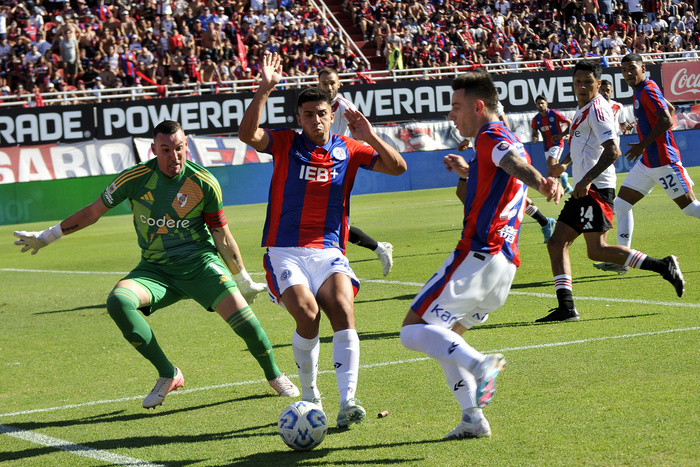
x=122, y=186
x=364, y=155
x=213, y=208
x=534, y=123
x=280, y=140
x=560, y=116
x=655, y=100
x=603, y=123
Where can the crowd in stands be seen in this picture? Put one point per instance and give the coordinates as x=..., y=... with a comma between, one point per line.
x=54, y=45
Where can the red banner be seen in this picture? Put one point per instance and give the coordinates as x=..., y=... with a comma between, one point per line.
x=681, y=81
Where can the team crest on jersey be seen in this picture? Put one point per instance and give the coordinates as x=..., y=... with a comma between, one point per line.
x=339, y=154
x=636, y=104
x=182, y=199
x=286, y=274
x=503, y=146
x=551, y=119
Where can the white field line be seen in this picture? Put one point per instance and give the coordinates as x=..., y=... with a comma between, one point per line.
x=73, y=448
x=403, y=283
x=371, y=365
x=115, y=459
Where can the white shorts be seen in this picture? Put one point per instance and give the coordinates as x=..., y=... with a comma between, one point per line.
x=673, y=178
x=310, y=267
x=465, y=289
x=555, y=152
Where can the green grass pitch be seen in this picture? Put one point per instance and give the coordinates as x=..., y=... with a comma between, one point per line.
x=619, y=387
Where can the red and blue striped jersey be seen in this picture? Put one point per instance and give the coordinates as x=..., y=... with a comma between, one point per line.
x=648, y=100
x=548, y=126
x=309, y=198
x=495, y=201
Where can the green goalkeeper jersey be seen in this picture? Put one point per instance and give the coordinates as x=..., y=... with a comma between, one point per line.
x=170, y=214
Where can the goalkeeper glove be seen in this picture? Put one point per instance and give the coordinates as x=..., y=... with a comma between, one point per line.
x=247, y=287
x=36, y=240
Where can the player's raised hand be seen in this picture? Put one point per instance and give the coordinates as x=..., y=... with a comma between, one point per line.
x=359, y=126
x=457, y=164
x=271, y=72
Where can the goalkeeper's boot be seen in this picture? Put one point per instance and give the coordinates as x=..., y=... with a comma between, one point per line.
x=162, y=388
x=284, y=387
x=486, y=382
x=612, y=267
x=475, y=426
x=350, y=412
x=385, y=253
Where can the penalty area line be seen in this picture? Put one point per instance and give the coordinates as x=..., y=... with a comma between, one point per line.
x=73, y=448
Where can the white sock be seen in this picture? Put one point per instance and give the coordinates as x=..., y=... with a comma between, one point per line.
x=380, y=248
x=443, y=345
x=306, y=356
x=346, y=359
x=693, y=209
x=461, y=383
x=625, y=221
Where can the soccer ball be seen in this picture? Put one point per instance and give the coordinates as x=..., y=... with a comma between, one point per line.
x=302, y=425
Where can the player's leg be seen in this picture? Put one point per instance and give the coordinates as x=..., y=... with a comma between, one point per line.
x=461, y=382
x=288, y=283
x=123, y=304
x=547, y=223
x=667, y=267
x=558, y=248
x=336, y=296
x=238, y=315
x=468, y=286
x=383, y=250
x=301, y=304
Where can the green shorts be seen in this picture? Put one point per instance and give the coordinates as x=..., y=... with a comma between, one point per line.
x=206, y=281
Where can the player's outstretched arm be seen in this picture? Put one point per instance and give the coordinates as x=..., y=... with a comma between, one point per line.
x=79, y=220
x=390, y=160
x=231, y=255
x=249, y=130
x=516, y=167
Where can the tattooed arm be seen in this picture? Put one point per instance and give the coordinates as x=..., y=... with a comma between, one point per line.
x=611, y=152
x=516, y=167
x=228, y=249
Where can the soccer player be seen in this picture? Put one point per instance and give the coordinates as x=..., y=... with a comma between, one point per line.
x=549, y=123
x=589, y=210
x=306, y=229
x=661, y=162
x=606, y=90
x=546, y=223
x=187, y=251
x=329, y=81
x=476, y=278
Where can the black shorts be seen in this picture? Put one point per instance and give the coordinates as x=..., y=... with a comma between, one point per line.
x=592, y=213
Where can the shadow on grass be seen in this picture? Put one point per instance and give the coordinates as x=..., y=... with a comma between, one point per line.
x=101, y=306
x=282, y=457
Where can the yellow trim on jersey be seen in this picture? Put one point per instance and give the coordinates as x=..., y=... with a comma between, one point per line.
x=137, y=171
x=210, y=180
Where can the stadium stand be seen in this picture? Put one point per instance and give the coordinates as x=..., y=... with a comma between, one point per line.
x=57, y=52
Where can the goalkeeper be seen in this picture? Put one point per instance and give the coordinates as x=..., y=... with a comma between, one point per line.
x=183, y=235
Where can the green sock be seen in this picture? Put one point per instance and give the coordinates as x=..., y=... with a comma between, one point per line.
x=246, y=325
x=122, y=305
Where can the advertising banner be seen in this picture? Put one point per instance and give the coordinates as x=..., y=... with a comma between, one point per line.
x=220, y=114
x=681, y=81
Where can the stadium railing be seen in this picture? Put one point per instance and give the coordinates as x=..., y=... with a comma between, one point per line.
x=74, y=96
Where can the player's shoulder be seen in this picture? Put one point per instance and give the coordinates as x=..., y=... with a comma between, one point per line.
x=345, y=102
x=135, y=172
x=197, y=172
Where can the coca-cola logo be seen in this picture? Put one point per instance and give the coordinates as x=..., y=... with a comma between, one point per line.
x=683, y=82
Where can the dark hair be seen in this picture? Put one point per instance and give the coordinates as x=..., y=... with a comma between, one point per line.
x=167, y=127
x=632, y=58
x=327, y=71
x=605, y=81
x=589, y=65
x=540, y=97
x=313, y=95
x=479, y=84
